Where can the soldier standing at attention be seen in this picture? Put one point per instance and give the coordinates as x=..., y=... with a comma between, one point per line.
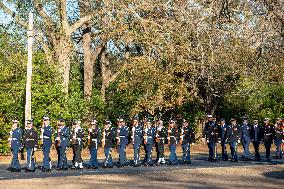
x=279, y=129
x=15, y=145
x=122, y=134
x=93, y=142
x=246, y=139
x=46, y=137
x=234, y=137
x=173, y=140
x=77, y=138
x=149, y=142
x=212, y=135
x=224, y=128
x=107, y=144
x=268, y=136
x=63, y=138
x=256, y=138
x=161, y=135
x=137, y=135
x=187, y=138
x=31, y=143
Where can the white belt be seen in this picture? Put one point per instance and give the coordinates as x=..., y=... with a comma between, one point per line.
x=94, y=139
x=173, y=136
x=149, y=137
x=15, y=139
x=122, y=136
x=30, y=139
x=268, y=134
x=46, y=137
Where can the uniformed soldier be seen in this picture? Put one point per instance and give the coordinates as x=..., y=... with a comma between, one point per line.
x=122, y=138
x=63, y=139
x=93, y=142
x=212, y=135
x=256, y=138
x=268, y=136
x=107, y=143
x=31, y=143
x=187, y=138
x=234, y=138
x=246, y=139
x=224, y=128
x=77, y=141
x=136, y=136
x=15, y=145
x=173, y=136
x=279, y=129
x=46, y=138
x=161, y=135
x=149, y=142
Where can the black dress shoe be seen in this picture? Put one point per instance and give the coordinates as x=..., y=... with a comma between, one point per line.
x=110, y=166
x=65, y=169
x=96, y=167
x=17, y=170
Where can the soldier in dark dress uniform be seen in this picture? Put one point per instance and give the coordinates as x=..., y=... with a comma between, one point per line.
x=15, y=145
x=46, y=138
x=63, y=141
x=108, y=135
x=224, y=128
x=161, y=136
x=268, y=136
x=256, y=138
x=187, y=138
x=31, y=143
x=149, y=142
x=93, y=142
x=212, y=135
x=233, y=137
x=137, y=136
x=122, y=138
x=77, y=141
x=173, y=136
x=246, y=139
x=279, y=130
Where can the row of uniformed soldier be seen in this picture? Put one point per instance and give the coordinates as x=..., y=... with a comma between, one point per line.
x=233, y=134
x=147, y=134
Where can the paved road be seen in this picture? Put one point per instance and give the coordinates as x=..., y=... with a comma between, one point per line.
x=198, y=161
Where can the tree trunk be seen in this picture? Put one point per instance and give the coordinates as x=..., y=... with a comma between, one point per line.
x=88, y=62
x=63, y=53
x=106, y=73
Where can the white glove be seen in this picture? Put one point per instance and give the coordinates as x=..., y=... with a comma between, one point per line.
x=35, y=149
x=203, y=139
x=132, y=137
x=89, y=137
x=192, y=144
x=169, y=131
x=239, y=141
x=59, y=130
x=57, y=138
x=90, y=130
x=42, y=129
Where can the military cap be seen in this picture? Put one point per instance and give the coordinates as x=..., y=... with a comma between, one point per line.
x=185, y=120
x=233, y=119
x=222, y=119
x=136, y=118
x=61, y=120
x=94, y=122
x=245, y=117
x=266, y=119
x=107, y=122
x=45, y=117
x=209, y=116
x=15, y=120
x=29, y=121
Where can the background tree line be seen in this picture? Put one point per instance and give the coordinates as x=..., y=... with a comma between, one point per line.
x=99, y=58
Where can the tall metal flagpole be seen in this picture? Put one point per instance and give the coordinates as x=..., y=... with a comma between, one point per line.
x=30, y=34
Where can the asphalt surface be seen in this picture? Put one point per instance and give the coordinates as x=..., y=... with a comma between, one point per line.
x=198, y=161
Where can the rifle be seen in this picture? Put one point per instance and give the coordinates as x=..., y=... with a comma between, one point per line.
x=89, y=137
x=104, y=138
x=41, y=135
x=145, y=131
x=57, y=143
x=181, y=135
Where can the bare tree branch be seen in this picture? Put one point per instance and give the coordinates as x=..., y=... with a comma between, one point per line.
x=13, y=15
